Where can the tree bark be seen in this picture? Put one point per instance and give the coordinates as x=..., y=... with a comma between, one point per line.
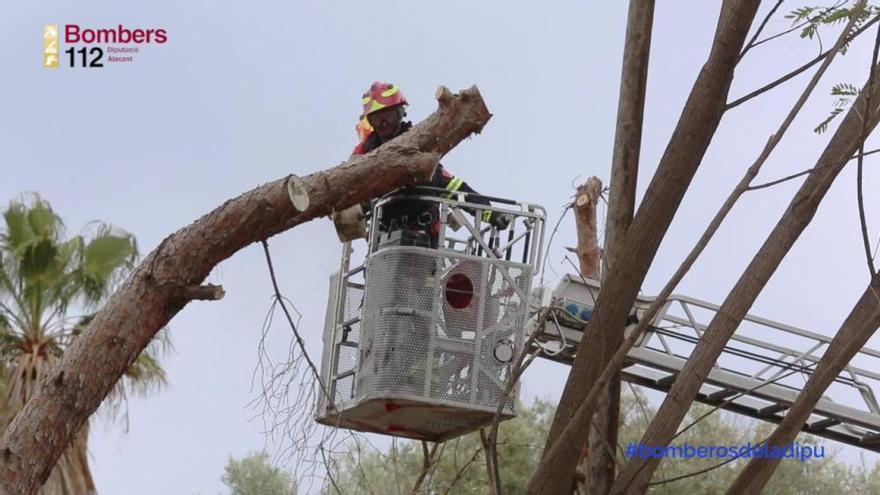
x=628, y=134
x=601, y=464
x=859, y=326
x=588, y=253
x=636, y=474
x=153, y=294
x=590, y=259
x=585, y=410
x=679, y=163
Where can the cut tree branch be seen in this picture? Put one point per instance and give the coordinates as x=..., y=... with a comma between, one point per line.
x=147, y=300
x=207, y=292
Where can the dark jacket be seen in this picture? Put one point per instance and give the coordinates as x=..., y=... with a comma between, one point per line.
x=413, y=214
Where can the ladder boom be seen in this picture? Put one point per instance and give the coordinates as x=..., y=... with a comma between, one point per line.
x=760, y=372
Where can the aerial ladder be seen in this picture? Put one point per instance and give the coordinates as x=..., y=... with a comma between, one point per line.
x=759, y=373
x=420, y=338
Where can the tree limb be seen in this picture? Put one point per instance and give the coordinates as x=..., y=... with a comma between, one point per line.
x=861, y=323
x=602, y=461
x=144, y=303
x=803, y=206
x=697, y=124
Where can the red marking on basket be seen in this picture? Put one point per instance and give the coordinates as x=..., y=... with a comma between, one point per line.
x=459, y=291
x=391, y=406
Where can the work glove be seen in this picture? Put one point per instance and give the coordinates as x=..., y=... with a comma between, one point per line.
x=500, y=220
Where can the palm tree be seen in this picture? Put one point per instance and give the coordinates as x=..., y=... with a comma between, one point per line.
x=50, y=288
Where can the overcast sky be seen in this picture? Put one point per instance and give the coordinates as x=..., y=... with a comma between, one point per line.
x=244, y=93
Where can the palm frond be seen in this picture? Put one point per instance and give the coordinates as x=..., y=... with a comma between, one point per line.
x=106, y=258
x=42, y=276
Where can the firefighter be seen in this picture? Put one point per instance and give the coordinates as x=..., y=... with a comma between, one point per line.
x=384, y=109
x=401, y=351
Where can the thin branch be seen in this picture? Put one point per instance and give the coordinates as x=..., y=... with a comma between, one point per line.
x=427, y=463
x=360, y=467
x=569, y=206
x=795, y=28
x=799, y=70
x=751, y=44
x=490, y=441
x=299, y=340
x=394, y=463
x=491, y=473
x=644, y=410
x=460, y=474
x=329, y=473
x=861, y=202
x=694, y=473
x=862, y=220
x=876, y=248
x=737, y=396
x=807, y=171
x=786, y=178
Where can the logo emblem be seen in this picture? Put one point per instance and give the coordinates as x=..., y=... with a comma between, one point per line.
x=50, y=46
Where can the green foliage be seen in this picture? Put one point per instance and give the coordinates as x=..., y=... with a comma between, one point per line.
x=823, y=126
x=44, y=277
x=792, y=477
x=810, y=19
x=800, y=14
x=844, y=93
x=255, y=475
x=461, y=468
x=844, y=89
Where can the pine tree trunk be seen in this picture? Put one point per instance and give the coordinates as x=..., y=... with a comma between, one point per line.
x=170, y=277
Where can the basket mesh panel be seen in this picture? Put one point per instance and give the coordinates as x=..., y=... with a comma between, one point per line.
x=329, y=348
x=425, y=332
x=354, y=301
x=344, y=389
x=413, y=336
x=452, y=376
